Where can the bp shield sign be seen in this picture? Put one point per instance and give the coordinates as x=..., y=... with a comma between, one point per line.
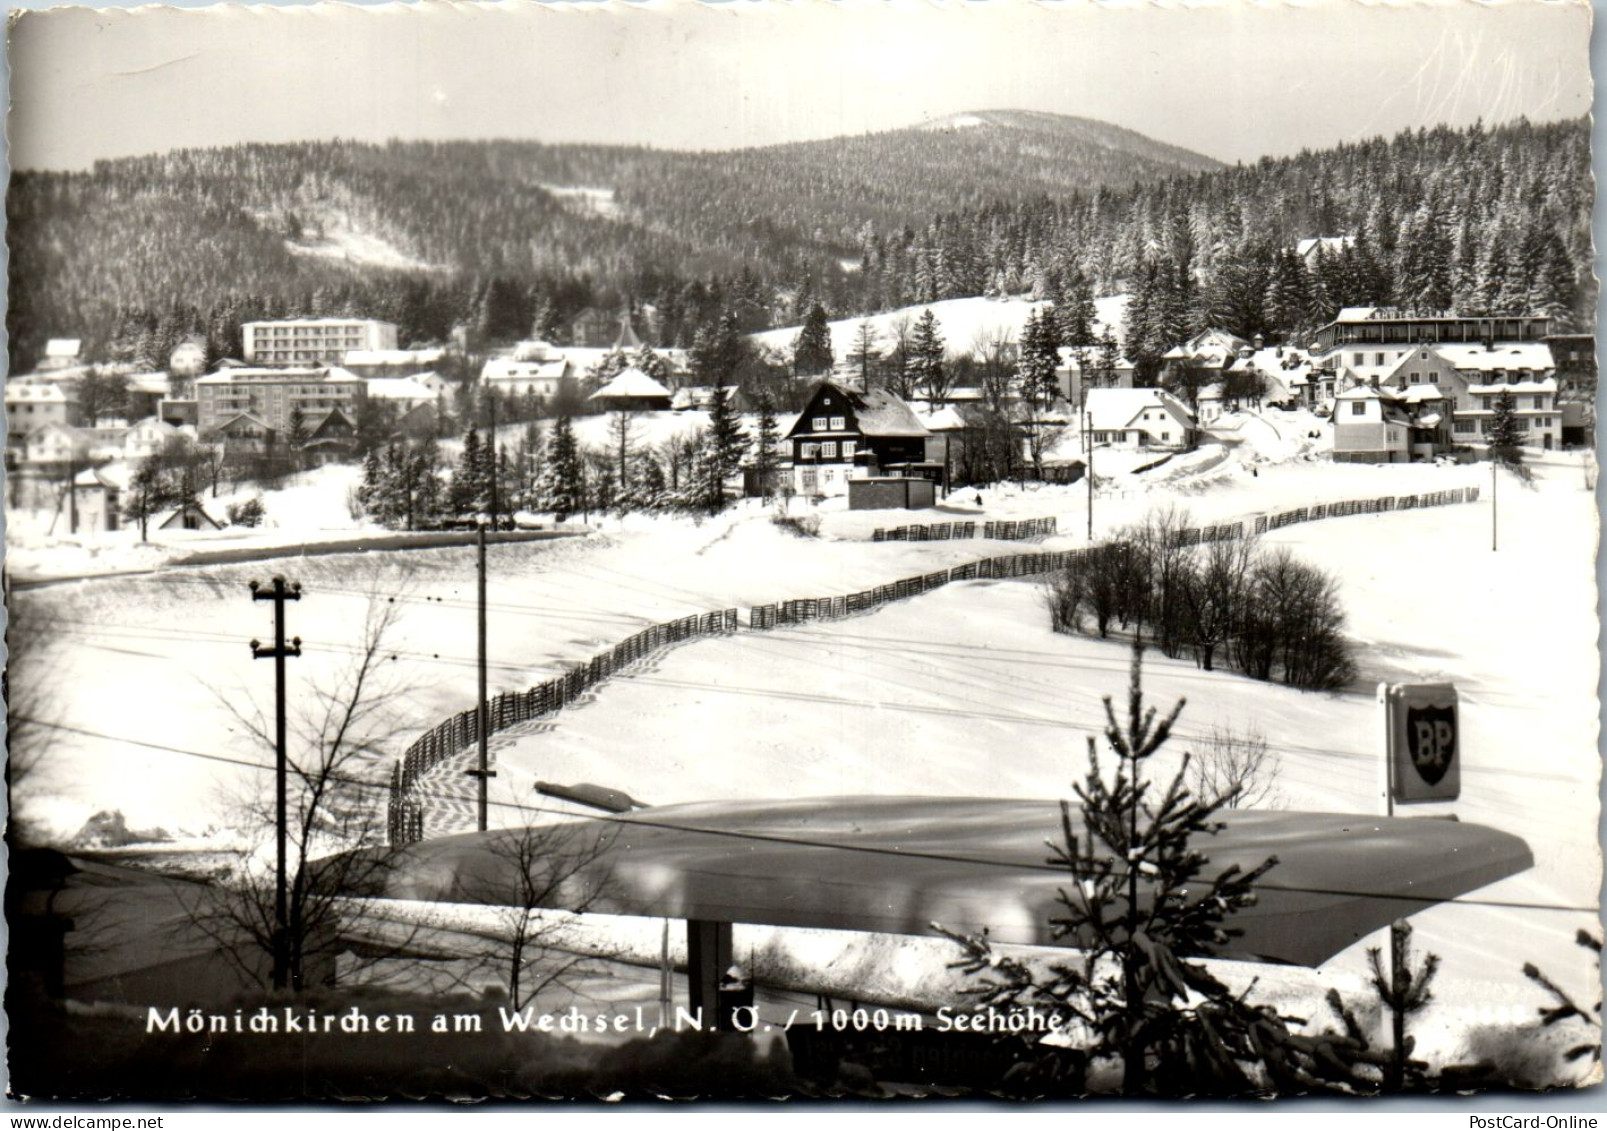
x=1425, y=742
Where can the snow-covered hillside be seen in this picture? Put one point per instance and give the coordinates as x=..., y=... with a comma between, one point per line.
x=964, y=322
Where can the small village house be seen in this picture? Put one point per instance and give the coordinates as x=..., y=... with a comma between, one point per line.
x=1143, y=418
x=631, y=390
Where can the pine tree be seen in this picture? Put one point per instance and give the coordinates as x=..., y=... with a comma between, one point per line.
x=424, y=485
x=862, y=355
x=468, y=492
x=724, y=439
x=528, y=464
x=1076, y=312
x=563, y=481
x=652, y=364
x=1038, y=358
x=1288, y=297
x=706, y=492
x=1139, y=909
x=765, y=437
x=811, y=352
x=926, y=356
x=1506, y=431
x=612, y=365
x=297, y=437
x=368, y=494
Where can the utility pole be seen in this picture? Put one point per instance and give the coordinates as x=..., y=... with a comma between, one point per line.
x=1088, y=471
x=491, y=406
x=279, y=594
x=1494, y=479
x=483, y=771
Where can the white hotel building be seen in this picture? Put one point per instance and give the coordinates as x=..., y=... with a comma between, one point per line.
x=313, y=341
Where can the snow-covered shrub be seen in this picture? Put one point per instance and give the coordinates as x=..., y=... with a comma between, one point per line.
x=803, y=526
x=248, y=512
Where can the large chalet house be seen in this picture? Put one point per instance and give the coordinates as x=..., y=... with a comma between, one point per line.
x=844, y=433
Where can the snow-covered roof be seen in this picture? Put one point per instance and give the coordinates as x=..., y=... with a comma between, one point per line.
x=235, y=375
x=698, y=396
x=945, y=419
x=1416, y=394
x=1072, y=358
x=63, y=347
x=880, y=413
x=508, y=369
x=1365, y=392
x=248, y=417
x=630, y=382
x=319, y=322
x=1519, y=355
x=394, y=357
x=1112, y=410
x=1367, y=374
x=34, y=394
x=1327, y=243
x=112, y=475
x=536, y=350
x=398, y=389
x=1356, y=314
x=155, y=384
x=1495, y=388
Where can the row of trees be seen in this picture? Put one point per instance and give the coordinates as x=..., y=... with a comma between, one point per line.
x=407, y=485
x=1260, y=609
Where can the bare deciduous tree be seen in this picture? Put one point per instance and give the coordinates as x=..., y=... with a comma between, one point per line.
x=336, y=746
x=1234, y=770
x=539, y=867
x=1214, y=594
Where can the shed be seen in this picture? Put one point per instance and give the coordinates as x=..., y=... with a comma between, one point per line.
x=891, y=493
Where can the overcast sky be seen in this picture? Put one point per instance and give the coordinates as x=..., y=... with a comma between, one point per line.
x=1233, y=81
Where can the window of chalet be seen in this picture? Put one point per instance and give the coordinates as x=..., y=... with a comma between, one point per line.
x=838, y=423
x=819, y=424
x=828, y=450
x=1358, y=408
x=848, y=449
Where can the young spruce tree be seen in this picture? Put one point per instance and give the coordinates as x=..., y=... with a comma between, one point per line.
x=1138, y=907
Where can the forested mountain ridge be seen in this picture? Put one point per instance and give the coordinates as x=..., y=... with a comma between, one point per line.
x=136, y=253
x=98, y=254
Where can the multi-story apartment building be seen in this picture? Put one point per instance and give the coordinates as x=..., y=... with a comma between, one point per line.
x=255, y=406
x=1368, y=341
x=313, y=341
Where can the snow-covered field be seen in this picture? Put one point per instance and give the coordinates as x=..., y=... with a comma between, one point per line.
x=963, y=691
x=963, y=321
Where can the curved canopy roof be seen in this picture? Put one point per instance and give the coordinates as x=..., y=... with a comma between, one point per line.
x=893, y=865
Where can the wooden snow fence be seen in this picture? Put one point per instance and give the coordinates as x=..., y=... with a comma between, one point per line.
x=1384, y=505
x=933, y=532
x=1020, y=530
x=461, y=732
